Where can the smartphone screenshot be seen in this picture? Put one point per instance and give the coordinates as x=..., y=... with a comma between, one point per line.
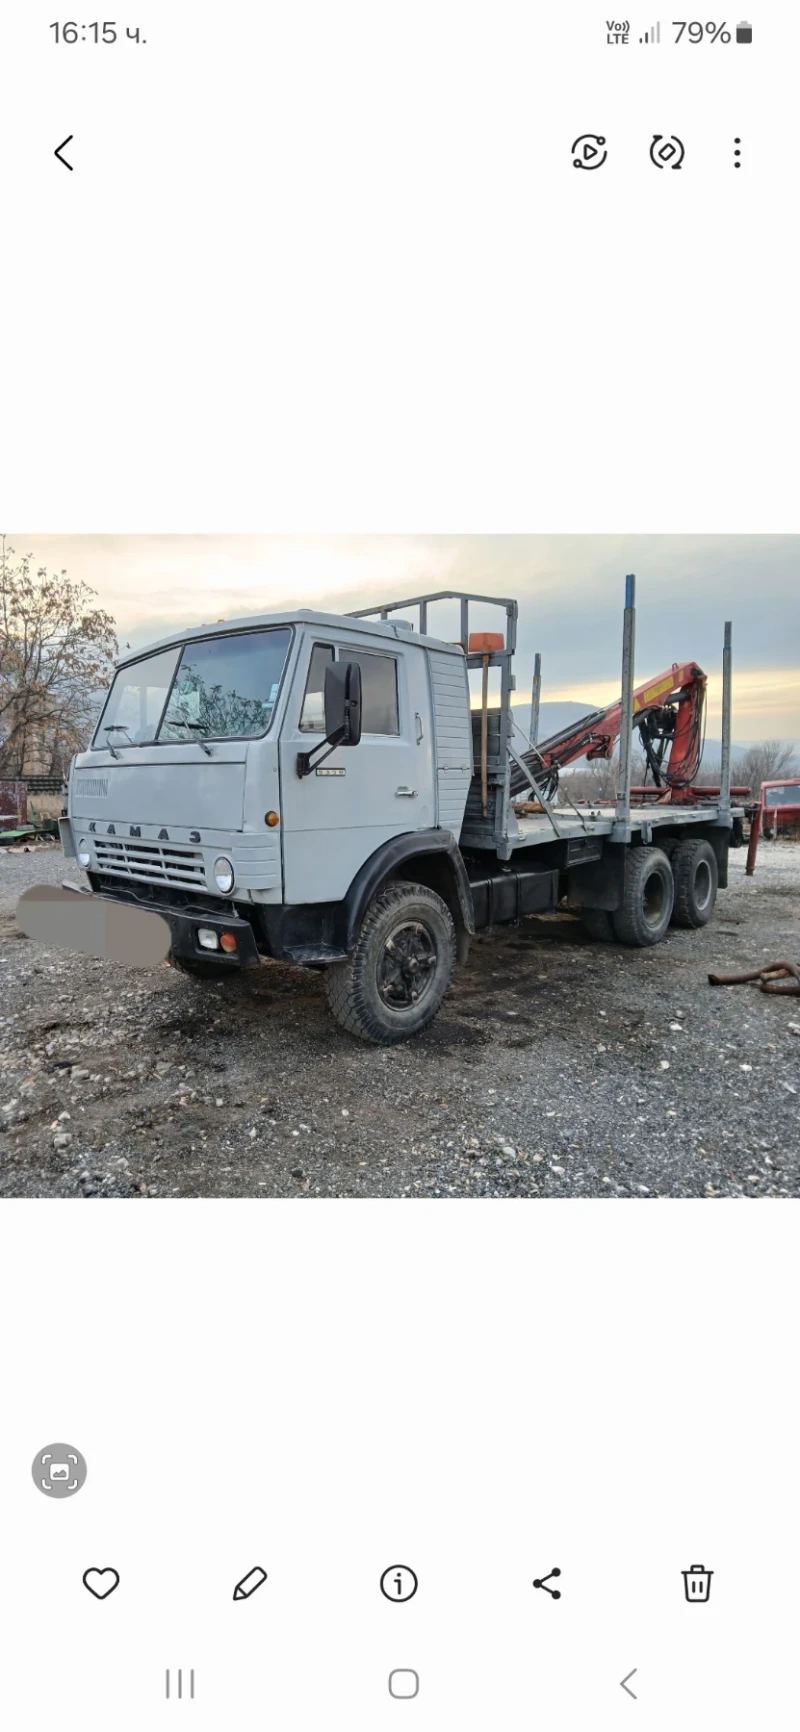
x=399, y=868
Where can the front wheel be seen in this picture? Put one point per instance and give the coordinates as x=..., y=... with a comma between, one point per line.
x=403, y=963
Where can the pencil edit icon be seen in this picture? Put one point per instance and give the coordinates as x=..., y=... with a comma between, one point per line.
x=248, y=1584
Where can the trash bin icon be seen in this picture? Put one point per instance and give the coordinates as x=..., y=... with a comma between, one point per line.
x=697, y=1582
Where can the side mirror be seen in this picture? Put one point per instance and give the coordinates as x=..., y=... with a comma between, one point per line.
x=342, y=716
x=343, y=704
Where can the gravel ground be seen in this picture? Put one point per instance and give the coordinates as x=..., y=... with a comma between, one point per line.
x=557, y=1067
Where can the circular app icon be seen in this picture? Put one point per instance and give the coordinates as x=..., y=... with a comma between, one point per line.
x=59, y=1470
x=589, y=150
x=667, y=152
x=399, y=1583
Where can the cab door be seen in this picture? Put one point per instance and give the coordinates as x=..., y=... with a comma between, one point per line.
x=360, y=796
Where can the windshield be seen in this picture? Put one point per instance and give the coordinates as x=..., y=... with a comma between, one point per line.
x=215, y=689
x=787, y=795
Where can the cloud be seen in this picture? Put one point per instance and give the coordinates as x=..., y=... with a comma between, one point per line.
x=570, y=590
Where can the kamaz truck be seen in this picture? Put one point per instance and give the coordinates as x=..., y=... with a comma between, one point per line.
x=329, y=791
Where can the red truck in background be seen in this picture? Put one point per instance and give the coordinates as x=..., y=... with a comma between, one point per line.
x=779, y=806
x=775, y=813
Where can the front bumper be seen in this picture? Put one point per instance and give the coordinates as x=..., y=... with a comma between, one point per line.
x=184, y=924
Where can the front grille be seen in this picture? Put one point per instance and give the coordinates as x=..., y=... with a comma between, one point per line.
x=165, y=896
x=150, y=862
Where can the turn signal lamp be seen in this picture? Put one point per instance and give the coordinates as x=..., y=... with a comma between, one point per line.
x=272, y=819
x=484, y=643
x=227, y=942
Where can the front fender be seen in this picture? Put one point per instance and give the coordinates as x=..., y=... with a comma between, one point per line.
x=396, y=853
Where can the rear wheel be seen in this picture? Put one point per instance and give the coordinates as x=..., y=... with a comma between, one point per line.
x=694, y=869
x=402, y=965
x=598, y=924
x=647, y=899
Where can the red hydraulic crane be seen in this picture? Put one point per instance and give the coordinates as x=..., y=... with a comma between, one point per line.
x=668, y=714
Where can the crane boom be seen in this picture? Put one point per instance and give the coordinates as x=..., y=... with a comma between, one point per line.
x=668, y=714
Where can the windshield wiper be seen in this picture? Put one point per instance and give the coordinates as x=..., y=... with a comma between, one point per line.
x=180, y=722
x=116, y=728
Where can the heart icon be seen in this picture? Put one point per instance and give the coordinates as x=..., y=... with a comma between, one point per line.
x=101, y=1583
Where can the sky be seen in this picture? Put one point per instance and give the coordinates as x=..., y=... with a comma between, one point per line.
x=570, y=591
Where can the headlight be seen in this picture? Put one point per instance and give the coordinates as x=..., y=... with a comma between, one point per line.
x=84, y=853
x=223, y=875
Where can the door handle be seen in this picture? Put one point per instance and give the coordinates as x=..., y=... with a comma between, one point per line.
x=420, y=729
x=405, y=793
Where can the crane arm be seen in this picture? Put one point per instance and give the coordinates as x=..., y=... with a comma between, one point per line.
x=668, y=714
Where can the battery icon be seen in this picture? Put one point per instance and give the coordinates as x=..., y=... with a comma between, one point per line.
x=744, y=32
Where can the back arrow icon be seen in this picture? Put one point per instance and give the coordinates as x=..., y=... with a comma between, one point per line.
x=623, y=1683
x=61, y=147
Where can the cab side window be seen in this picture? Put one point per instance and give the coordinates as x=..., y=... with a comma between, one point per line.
x=380, y=712
x=312, y=715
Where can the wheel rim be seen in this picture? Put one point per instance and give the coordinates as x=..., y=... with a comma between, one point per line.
x=702, y=885
x=654, y=899
x=408, y=965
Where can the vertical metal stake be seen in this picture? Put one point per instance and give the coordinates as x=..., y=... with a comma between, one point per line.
x=725, y=770
x=535, y=696
x=623, y=807
x=485, y=738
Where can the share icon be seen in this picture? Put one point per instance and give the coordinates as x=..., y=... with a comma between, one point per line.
x=542, y=1581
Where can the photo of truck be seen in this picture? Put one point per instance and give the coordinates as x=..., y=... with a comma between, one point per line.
x=321, y=789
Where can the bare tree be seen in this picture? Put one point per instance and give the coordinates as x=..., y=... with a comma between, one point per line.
x=592, y=781
x=595, y=781
x=56, y=655
x=708, y=773
x=766, y=761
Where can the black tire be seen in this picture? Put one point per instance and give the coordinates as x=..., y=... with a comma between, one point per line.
x=407, y=935
x=648, y=898
x=694, y=869
x=599, y=924
x=202, y=970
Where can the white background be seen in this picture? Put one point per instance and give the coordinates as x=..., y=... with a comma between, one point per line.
x=478, y=1391
x=329, y=267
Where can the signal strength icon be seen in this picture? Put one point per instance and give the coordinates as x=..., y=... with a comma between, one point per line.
x=652, y=35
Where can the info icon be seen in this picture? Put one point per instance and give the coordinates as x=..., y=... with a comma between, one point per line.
x=399, y=1583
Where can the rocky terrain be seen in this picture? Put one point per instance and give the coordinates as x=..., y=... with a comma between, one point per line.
x=558, y=1067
